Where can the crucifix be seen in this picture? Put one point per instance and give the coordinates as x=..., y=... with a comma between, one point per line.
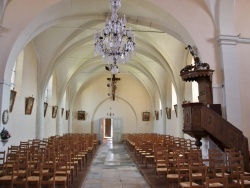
x=113, y=85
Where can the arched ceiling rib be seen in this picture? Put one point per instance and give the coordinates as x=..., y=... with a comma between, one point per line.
x=65, y=42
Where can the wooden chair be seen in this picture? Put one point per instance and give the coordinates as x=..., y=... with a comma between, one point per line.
x=8, y=179
x=216, y=182
x=2, y=161
x=160, y=163
x=197, y=177
x=172, y=169
x=233, y=175
x=19, y=175
x=48, y=176
x=238, y=160
x=195, y=157
x=63, y=168
x=244, y=181
x=33, y=177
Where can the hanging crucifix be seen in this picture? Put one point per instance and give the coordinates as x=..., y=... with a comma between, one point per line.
x=113, y=85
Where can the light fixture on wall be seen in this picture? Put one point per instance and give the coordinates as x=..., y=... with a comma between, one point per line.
x=115, y=43
x=110, y=113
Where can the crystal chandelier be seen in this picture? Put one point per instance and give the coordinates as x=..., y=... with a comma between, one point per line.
x=115, y=43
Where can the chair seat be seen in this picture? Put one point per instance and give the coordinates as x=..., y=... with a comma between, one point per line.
x=161, y=169
x=197, y=174
x=43, y=171
x=215, y=185
x=20, y=172
x=246, y=182
x=187, y=184
x=150, y=156
x=59, y=178
x=220, y=174
x=62, y=172
x=33, y=178
x=7, y=178
x=69, y=167
x=172, y=176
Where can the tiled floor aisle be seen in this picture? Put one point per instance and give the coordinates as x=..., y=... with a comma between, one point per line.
x=113, y=167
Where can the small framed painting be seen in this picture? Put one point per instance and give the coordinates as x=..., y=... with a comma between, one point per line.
x=45, y=108
x=168, y=112
x=62, y=111
x=157, y=115
x=54, y=111
x=29, y=101
x=81, y=115
x=145, y=116
x=67, y=114
x=12, y=99
x=175, y=109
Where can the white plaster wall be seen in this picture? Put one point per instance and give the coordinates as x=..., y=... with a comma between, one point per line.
x=131, y=100
x=242, y=27
x=21, y=126
x=244, y=70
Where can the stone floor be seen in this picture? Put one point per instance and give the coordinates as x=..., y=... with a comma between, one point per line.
x=113, y=167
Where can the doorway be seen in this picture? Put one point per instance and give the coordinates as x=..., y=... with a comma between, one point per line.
x=110, y=129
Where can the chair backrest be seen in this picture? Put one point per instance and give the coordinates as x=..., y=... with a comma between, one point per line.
x=197, y=174
x=233, y=175
x=244, y=181
x=2, y=160
x=19, y=174
x=215, y=181
x=47, y=177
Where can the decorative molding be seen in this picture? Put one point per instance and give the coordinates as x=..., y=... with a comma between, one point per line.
x=232, y=40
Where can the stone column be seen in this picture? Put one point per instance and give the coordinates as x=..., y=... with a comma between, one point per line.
x=231, y=85
x=40, y=117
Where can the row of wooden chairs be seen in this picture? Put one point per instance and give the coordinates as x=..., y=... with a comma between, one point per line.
x=50, y=161
x=168, y=153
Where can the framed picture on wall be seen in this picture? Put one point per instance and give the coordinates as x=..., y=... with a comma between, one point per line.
x=62, y=111
x=168, y=112
x=12, y=99
x=145, y=116
x=54, y=111
x=175, y=109
x=81, y=115
x=157, y=115
x=29, y=101
x=45, y=108
x=67, y=114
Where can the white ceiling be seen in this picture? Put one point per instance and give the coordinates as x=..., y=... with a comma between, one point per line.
x=66, y=46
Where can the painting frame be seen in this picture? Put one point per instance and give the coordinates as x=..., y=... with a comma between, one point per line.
x=62, y=112
x=81, y=115
x=67, y=114
x=54, y=111
x=29, y=102
x=145, y=116
x=157, y=115
x=168, y=112
x=45, y=108
x=12, y=99
x=175, y=109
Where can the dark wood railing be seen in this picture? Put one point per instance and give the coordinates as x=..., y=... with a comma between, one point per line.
x=200, y=121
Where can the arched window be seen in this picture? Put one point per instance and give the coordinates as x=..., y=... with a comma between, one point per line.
x=48, y=90
x=13, y=77
x=174, y=96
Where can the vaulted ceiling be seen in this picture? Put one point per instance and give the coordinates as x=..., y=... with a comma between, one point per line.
x=65, y=44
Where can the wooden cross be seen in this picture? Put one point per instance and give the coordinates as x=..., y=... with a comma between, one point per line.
x=113, y=85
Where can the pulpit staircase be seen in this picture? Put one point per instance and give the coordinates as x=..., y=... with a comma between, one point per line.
x=204, y=118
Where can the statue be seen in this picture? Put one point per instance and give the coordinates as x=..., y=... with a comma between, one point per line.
x=198, y=65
